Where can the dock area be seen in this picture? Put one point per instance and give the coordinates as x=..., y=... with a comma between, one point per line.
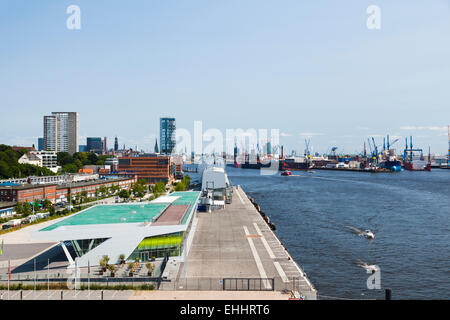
x=234, y=249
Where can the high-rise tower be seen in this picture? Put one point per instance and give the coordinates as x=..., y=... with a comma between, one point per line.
x=60, y=132
x=167, y=137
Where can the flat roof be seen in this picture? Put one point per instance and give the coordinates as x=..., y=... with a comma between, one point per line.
x=26, y=186
x=91, y=182
x=108, y=214
x=123, y=236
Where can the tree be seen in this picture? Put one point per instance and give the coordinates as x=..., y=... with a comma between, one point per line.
x=35, y=205
x=183, y=184
x=142, y=181
x=84, y=196
x=124, y=194
x=103, y=190
x=92, y=157
x=26, y=211
x=114, y=188
x=10, y=167
x=112, y=269
x=52, y=211
x=103, y=264
x=138, y=190
x=46, y=203
x=106, y=259
x=19, y=208
x=70, y=168
x=64, y=158
x=159, y=188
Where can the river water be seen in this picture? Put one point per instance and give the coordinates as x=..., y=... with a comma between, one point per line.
x=316, y=214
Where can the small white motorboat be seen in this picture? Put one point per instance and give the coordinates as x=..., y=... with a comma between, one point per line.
x=368, y=234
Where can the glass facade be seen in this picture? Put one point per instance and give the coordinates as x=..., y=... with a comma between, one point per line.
x=158, y=246
x=82, y=247
x=94, y=143
x=167, y=135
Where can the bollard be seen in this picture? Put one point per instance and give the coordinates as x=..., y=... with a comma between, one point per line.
x=102, y=295
x=388, y=295
x=62, y=294
x=21, y=295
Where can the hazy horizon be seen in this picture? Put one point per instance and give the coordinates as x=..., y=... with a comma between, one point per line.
x=310, y=69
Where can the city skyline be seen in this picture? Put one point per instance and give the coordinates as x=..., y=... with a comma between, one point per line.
x=312, y=70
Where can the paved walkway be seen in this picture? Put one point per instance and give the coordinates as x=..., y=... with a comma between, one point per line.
x=237, y=243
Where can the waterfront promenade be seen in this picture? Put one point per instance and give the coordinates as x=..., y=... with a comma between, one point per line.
x=236, y=244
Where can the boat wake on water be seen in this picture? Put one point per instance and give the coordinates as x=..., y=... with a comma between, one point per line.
x=362, y=233
x=371, y=268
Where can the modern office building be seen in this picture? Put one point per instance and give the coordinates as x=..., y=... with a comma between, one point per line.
x=116, y=144
x=137, y=230
x=82, y=148
x=167, y=136
x=94, y=144
x=50, y=133
x=60, y=132
x=40, y=144
x=151, y=167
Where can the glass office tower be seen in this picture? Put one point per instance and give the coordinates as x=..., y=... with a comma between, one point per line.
x=167, y=135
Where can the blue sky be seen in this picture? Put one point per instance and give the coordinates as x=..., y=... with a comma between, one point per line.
x=310, y=68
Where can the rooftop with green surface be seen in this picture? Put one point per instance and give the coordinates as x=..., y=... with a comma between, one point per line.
x=125, y=213
x=107, y=214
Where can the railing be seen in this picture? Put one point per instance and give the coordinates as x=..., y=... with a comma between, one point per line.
x=161, y=269
x=180, y=284
x=249, y=284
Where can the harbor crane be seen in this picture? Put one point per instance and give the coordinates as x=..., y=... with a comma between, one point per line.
x=307, y=152
x=389, y=145
x=375, y=156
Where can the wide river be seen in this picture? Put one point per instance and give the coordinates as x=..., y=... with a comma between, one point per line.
x=317, y=213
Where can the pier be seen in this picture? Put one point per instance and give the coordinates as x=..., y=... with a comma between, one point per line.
x=234, y=249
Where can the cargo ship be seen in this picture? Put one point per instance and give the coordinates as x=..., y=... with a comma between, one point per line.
x=392, y=165
x=417, y=165
x=411, y=164
x=390, y=161
x=291, y=164
x=252, y=163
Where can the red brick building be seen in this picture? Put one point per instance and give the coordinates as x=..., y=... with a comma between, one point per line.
x=56, y=193
x=28, y=193
x=153, y=167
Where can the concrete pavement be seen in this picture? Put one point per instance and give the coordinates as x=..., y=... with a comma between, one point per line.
x=236, y=242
